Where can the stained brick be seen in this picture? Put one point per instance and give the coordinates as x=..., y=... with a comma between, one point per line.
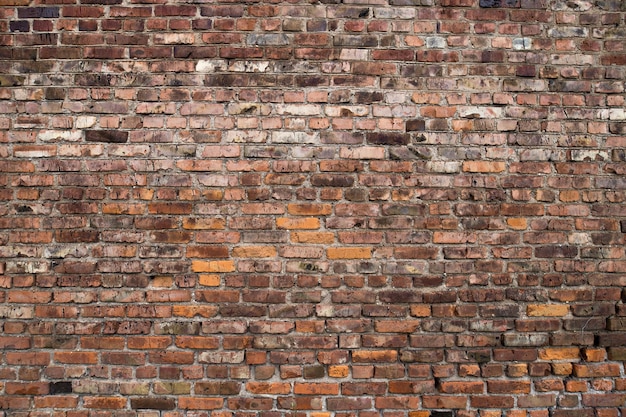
x=152, y=403
x=108, y=136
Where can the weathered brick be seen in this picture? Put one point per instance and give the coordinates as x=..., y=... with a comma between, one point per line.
x=264, y=192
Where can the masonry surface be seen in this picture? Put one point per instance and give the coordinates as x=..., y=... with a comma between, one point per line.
x=403, y=208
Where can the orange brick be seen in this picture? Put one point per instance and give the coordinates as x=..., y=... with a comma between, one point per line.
x=420, y=310
x=576, y=386
x=209, y=280
x=193, y=311
x=594, y=354
x=517, y=370
x=309, y=209
x=517, y=223
x=213, y=195
x=122, y=208
x=569, y=196
x=547, y=310
x=312, y=237
x=371, y=356
x=596, y=370
x=254, y=252
x=483, y=166
x=213, y=266
x=162, y=281
x=268, y=387
x=304, y=223
x=550, y=354
x=316, y=388
x=349, y=253
x=338, y=371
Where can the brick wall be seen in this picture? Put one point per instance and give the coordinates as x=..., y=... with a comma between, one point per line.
x=312, y=209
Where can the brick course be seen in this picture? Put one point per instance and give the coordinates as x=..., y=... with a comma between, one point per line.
x=399, y=208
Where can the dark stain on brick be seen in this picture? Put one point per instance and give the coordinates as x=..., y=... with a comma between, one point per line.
x=19, y=26
x=38, y=12
x=61, y=387
x=149, y=403
x=387, y=138
x=109, y=136
x=415, y=125
x=499, y=3
x=446, y=413
x=327, y=180
x=11, y=80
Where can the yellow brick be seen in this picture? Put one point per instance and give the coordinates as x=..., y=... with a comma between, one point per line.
x=517, y=223
x=547, y=310
x=349, y=253
x=313, y=237
x=338, y=371
x=551, y=354
x=303, y=223
x=565, y=368
x=210, y=280
x=419, y=413
x=254, y=252
x=212, y=266
x=320, y=414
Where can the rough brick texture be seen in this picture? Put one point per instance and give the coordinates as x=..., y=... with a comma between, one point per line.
x=396, y=208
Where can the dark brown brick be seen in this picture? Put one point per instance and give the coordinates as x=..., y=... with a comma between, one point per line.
x=108, y=136
x=387, y=138
x=153, y=403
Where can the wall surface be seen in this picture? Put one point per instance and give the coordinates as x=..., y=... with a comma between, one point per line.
x=409, y=208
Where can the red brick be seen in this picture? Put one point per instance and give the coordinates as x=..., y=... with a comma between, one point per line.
x=343, y=167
